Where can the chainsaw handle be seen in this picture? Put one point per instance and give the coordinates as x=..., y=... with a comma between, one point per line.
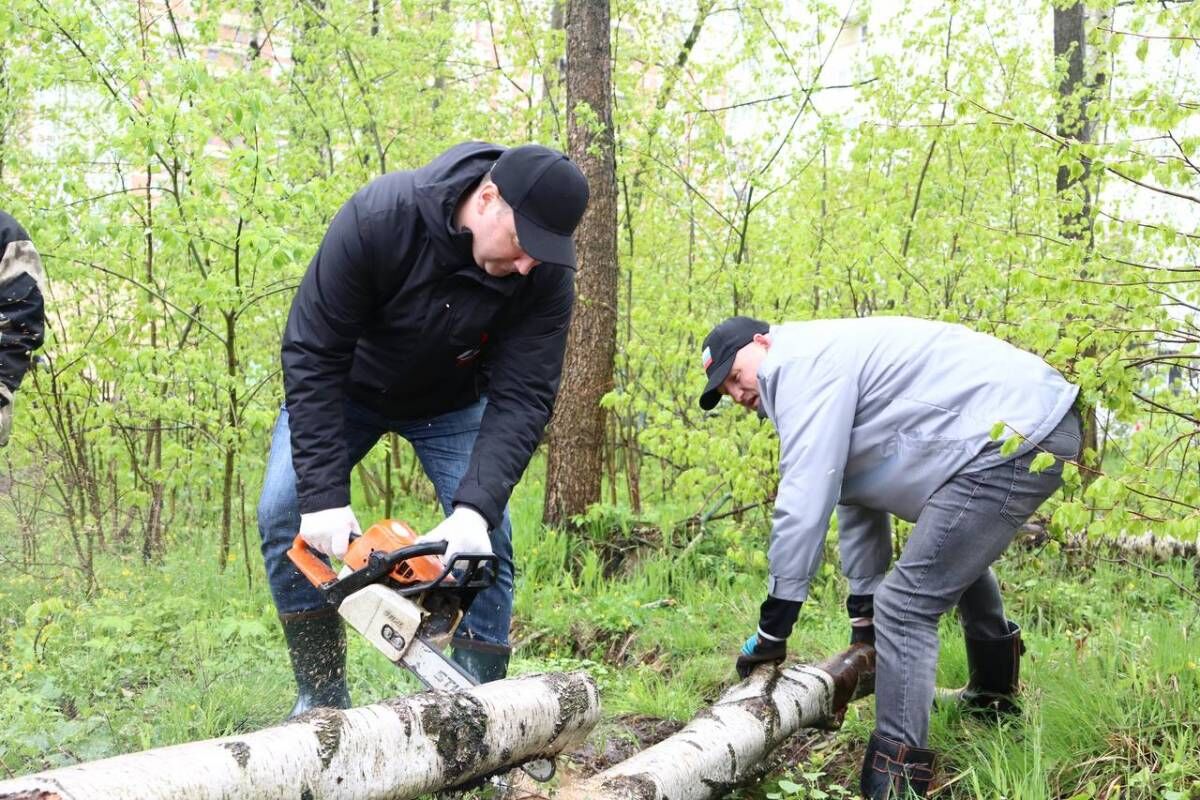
x=314, y=569
x=321, y=575
x=379, y=565
x=476, y=571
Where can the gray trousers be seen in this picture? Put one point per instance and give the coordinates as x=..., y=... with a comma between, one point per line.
x=947, y=560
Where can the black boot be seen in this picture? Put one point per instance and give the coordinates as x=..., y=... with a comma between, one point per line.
x=994, y=666
x=485, y=665
x=317, y=645
x=861, y=608
x=892, y=770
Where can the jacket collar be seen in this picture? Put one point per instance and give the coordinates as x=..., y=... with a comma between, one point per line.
x=437, y=203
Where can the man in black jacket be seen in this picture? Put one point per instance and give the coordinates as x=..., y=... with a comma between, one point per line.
x=436, y=307
x=22, y=314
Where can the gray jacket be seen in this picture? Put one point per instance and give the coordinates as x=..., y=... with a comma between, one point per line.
x=875, y=415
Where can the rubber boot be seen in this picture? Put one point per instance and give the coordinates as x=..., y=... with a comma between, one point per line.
x=317, y=645
x=486, y=666
x=994, y=667
x=892, y=770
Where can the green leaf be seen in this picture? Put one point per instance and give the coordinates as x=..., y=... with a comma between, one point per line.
x=997, y=431
x=1041, y=462
x=1011, y=445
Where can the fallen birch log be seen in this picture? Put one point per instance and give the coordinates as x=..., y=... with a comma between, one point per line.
x=397, y=749
x=1160, y=548
x=726, y=744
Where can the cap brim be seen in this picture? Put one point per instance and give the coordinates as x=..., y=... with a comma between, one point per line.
x=546, y=246
x=712, y=390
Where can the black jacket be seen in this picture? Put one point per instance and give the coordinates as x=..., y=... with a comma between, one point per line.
x=22, y=314
x=394, y=313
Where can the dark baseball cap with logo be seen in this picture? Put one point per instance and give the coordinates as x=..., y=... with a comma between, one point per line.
x=548, y=195
x=720, y=348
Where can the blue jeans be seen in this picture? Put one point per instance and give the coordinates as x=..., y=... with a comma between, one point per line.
x=964, y=527
x=443, y=444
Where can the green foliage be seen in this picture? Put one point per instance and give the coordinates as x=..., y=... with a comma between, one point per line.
x=141, y=664
x=810, y=785
x=194, y=162
x=196, y=158
x=169, y=653
x=1041, y=462
x=178, y=166
x=933, y=194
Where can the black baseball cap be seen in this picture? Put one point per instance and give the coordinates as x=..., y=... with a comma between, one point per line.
x=720, y=348
x=548, y=195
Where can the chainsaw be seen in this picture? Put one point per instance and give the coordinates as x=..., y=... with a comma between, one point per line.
x=399, y=595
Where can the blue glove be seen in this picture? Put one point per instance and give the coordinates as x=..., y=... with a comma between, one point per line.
x=769, y=644
x=758, y=650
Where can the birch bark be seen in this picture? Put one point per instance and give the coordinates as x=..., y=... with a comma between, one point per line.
x=393, y=750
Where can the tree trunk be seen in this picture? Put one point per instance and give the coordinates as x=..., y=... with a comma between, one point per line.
x=233, y=422
x=576, y=439
x=397, y=749
x=1073, y=118
x=726, y=744
x=152, y=532
x=1075, y=123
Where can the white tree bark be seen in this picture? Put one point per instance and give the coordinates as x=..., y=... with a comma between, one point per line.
x=1160, y=548
x=726, y=744
x=397, y=749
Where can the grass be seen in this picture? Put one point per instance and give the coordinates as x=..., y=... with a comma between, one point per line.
x=180, y=651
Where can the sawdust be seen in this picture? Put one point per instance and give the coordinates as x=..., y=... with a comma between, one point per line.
x=327, y=724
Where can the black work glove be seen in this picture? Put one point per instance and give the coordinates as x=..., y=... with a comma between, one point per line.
x=769, y=644
x=758, y=650
x=861, y=608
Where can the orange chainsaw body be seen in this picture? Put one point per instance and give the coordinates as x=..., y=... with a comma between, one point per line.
x=384, y=536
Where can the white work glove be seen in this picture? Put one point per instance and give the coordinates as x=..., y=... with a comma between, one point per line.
x=465, y=531
x=329, y=531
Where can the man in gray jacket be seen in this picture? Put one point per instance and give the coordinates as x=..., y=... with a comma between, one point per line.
x=892, y=415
